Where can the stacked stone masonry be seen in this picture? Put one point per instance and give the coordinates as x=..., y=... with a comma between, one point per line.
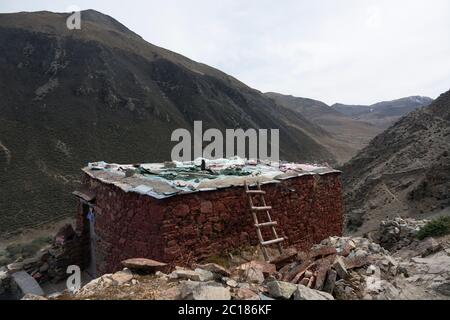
x=191, y=227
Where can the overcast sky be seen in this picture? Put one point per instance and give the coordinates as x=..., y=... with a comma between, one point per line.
x=349, y=51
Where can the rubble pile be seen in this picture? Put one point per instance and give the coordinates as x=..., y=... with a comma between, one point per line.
x=338, y=267
x=341, y=266
x=398, y=233
x=49, y=264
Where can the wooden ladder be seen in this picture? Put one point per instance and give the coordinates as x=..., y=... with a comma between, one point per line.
x=264, y=208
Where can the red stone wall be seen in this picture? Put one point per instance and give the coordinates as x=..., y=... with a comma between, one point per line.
x=187, y=228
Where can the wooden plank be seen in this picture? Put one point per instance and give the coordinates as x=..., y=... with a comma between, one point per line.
x=296, y=270
x=322, y=270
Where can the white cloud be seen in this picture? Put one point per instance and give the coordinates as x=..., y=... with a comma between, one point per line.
x=353, y=51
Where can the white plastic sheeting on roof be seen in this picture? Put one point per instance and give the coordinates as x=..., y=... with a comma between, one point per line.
x=163, y=180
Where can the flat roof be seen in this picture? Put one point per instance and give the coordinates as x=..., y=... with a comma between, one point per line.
x=163, y=180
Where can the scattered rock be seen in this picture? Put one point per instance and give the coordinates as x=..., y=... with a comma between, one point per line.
x=196, y=275
x=280, y=289
x=204, y=275
x=348, y=268
x=252, y=272
x=254, y=275
x=303, y=293
x=398, y=233
x=122, y=277
x=193, y=290
x=340, y=268
x=215, y=268
x=245, y=294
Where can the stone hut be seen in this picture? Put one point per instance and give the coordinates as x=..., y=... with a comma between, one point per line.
x=184, y=212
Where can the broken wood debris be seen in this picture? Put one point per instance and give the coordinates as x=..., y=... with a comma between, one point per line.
x=320, y=267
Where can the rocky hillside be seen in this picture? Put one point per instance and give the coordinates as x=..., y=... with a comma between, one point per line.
x=346, y=135
x=103, y=93
x=385, y=113
x=403, y=171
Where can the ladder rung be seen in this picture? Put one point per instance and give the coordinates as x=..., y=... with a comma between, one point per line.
x=266, y=243
x=256, y=192
x=261, y=208
x=266, y=224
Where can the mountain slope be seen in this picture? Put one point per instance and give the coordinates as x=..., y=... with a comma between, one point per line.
x=383, y=114
x=103, y=93
x=404, y=170
x=346, y=135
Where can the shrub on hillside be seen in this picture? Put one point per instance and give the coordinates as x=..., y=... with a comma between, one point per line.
x=435, y=228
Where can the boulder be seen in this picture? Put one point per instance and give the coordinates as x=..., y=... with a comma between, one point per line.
x=145, y=265
x=305, y=293
x=398, y=233
x=280, y=289
x=204, y=275
x=196, y=275
x=26, y=284
x=215, y=268
x=253, y=275
x=256, y=271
